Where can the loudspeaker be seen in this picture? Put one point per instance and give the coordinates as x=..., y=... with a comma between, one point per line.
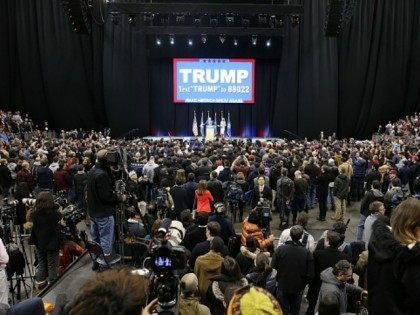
x=77, y=12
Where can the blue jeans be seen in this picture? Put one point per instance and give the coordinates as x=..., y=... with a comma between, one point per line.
x=330, y=198
x=290, y=302
x=102, y=232
x=360, y=228
x=310, y=196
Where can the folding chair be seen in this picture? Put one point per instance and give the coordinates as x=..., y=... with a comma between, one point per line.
x=97, y=254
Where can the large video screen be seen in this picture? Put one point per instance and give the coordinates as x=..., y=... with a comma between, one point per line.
x=207, y=80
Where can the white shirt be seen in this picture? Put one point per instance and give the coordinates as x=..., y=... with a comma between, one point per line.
x=285, y=236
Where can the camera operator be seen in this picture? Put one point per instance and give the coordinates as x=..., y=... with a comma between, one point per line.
x=250, y=227
x=101, y=202
x=261, y=191
x=47, y=237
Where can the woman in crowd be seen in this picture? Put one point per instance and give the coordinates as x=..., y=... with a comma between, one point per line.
x=47, y=237
x=263, y=275
x=230, y=277
x=250, y=227
x=203, y=197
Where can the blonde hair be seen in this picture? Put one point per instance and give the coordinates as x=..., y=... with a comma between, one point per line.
x=202, y=186
x=405, y=219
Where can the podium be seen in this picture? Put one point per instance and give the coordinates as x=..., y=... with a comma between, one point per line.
x=210, y=132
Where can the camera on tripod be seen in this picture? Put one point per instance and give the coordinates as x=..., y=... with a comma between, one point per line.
x=165, y=263
x=72, y=216
x=264, y=215
x=7, y=210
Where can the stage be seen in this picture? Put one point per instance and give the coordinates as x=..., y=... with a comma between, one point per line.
x=254, y=139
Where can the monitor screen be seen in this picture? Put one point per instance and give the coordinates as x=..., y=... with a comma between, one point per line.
x=209, y=80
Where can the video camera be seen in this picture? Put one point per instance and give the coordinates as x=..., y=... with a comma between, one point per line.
x=72, y=216
x=166, y=261
x=264, y=215
x=7, y=210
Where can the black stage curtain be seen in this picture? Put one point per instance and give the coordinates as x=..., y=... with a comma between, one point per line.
x=348, y=85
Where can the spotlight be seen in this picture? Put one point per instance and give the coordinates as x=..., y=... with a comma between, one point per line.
x=180, y=19
x=254, y=40
x=197, y=21
x=230, y=20
x=171, y=39
x=214, y=21
x=245, y=22
x=262, y=19
x=222, y=38
x=235, y=42
x=132, y=19
x=115, y=18
x=294, y=19
x=190, y=42
x=203, y=38
x=158, y=41
x=268, y=42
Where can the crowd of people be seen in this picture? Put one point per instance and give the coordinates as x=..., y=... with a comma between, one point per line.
x=190, y=194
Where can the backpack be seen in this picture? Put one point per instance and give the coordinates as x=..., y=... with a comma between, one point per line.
x=286, y=188
x=161, y=198
x=235, y=193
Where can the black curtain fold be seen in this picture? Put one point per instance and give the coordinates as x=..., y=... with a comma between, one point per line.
x=306, y=82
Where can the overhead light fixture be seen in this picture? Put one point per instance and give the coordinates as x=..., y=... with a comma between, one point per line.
x=158, y=41
x=180, y=19
x=235, y=42
x=245, y=22
x=254, y=40
x=190, y=42
x=115, y=18
x=294, y=19
x=197, y=21
x=171, y=39
x=230, y=19
x=214, y=21
x=132, y=19
x=222, y=38
x=203, y=38
x=268, y=42
x=262, y=19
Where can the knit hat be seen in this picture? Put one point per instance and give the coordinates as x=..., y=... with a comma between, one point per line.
x=189, y=283
x=251, y=300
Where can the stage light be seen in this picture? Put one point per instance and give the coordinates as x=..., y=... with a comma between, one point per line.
x=203, y=38
x=158, y=41
x=115, y=18
x=197, y=21
x=180, y=18
x=294, y=19
x=254, y=40
x=171, y=39
x=235, y=42
x=222, y=38
x=214, y=21
x=230, y=20
x=245, y=22
x=132, y=19
x=190, y=42
x=268, y=42
x=262, y=19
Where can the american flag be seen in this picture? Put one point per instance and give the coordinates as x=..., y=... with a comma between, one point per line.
x=228, y=127
x=202, y=124
x=195, y=126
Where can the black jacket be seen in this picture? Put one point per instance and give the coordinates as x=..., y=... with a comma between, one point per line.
x=370, y=196
x=294, y=265
x=341, y=186
x=101, y=199
x=322, y=183
x=193, y=237
x=5, y=176
x=386, y=294
x=226, y=226
x=46, y=231
x=267, y=194
x=179, y=196
x=216, y=189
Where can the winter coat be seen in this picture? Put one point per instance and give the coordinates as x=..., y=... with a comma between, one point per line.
x=246, y=259
x=386, y=293
x=44, y=177
x=191, y=305
x=5, y=176
x=216, y=292
x=370, y=196
x=330, y=285
x=270, y=280
x=407, y=270
x=253, y=229
x=206, y=267
x=216, y=190
x=341, y=186
x=322, y=183
x=359, y=167
x=294, y=265
x=226, y=226
x=194, y=236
